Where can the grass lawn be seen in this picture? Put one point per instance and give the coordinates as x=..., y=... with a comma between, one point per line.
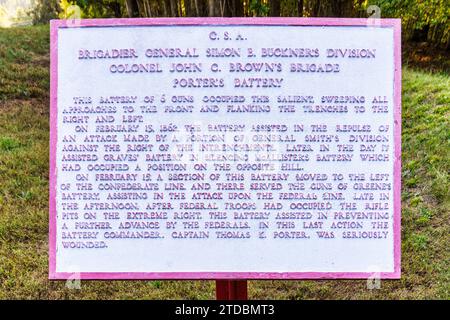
x=24, y=136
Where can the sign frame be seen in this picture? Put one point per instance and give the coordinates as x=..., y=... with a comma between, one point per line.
x=55, y=25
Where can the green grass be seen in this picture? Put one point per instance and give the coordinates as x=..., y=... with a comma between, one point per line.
x=24, y=134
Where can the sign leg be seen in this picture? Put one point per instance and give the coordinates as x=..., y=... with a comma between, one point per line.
x=231, y=290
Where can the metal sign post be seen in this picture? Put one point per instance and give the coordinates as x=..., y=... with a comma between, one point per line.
x=231, y=290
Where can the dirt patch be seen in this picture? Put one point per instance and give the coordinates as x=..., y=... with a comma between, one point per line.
x=43, y=61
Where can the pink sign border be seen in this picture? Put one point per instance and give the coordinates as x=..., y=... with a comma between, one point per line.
x=383, y=23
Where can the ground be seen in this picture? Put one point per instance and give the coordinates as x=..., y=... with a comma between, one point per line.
x=24, y=148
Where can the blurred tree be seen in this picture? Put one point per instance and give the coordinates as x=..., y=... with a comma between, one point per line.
x=259, y=8
x=423, y=20
x=275, y=6
x=132, y=8
x=335, y=8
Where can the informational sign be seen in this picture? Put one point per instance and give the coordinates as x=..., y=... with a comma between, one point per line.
x=225, y=148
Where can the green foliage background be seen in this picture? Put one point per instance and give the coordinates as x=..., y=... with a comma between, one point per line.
x=425, y=20
x=24, y=149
